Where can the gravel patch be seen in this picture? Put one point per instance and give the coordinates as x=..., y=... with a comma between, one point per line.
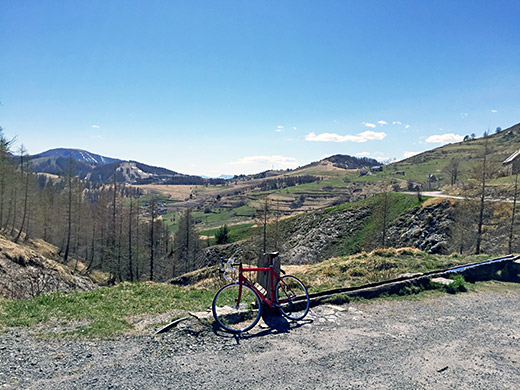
x=463, y=341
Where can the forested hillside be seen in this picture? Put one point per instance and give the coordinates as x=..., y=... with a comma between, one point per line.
x=110, y=228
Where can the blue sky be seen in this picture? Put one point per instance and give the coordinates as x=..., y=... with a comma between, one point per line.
x=213, y=87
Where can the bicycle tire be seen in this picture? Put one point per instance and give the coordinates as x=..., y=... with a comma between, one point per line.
x=234, y=316
x=292, y=298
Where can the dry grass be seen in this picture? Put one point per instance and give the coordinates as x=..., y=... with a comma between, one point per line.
x=175, y=192
x=435, y=201
x=354, y=270
x=375, y=266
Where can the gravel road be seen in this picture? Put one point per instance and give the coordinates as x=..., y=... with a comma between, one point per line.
x=463, y=341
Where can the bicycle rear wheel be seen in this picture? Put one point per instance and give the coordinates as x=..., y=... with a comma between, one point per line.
x=293, y=298
x=235, y=315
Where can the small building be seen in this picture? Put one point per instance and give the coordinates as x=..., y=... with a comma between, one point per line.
x=376, y=168
x=512, y=164
x=400, y=173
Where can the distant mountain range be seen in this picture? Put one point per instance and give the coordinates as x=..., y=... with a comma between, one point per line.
x=97, y=168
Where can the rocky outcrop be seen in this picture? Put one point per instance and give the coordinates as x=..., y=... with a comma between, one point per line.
x=318, y=236
x=426, y=228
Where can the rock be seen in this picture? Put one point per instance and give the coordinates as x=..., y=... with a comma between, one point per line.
x=442, y=281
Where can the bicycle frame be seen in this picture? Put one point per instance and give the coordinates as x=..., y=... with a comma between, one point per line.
x=238, y=305
x=272, y=276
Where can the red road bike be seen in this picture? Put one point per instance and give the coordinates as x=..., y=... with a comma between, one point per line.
x=237, y=306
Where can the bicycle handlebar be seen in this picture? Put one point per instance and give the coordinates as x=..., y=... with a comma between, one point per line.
x=228, y=267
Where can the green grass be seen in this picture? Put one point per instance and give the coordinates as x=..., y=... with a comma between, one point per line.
x=159, y=198
x=213, y=220
x=236, y=232
x=397, y=205
x=103, y=312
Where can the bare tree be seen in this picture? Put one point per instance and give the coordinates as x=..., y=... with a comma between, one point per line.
x=382, y=217
x=511, y=229
x=484, y=174
x=152, y=244
x=186, y=243
x=24, y=175
x=453, y=170
x=5, y=153
x=462, y=230
x=69, y=211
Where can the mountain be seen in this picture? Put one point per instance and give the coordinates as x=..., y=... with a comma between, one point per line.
x=343, y=161
x=57, y=161
x=97, y=168
x=134, y=172
x=78, y=155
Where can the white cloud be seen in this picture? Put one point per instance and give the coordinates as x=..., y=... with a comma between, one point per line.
x=294, y=128
x=255, y=164
x=463, y=114
x=333, y=137
x=95, y=126
x=494, y=111
x=444, y=138
x=368, y=124
x=279, y=129
x=410, y=154
x=382, y=123
x=363, y=154
x=278, y=161
x=396, y=123
x=407, y=127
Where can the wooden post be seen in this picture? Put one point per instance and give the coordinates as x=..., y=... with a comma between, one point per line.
x=266, y=260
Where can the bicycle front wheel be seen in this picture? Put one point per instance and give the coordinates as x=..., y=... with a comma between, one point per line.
x=293, y=298
x=236, y=312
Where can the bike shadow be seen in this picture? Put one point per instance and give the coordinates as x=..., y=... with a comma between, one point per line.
x=272, y=324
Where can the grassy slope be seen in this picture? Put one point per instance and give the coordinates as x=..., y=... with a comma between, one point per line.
x=501, y=146
x=378, y=265
x=110, y=311
x=105, y=311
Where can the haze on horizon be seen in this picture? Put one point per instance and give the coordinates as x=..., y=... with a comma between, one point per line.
x=238, y=87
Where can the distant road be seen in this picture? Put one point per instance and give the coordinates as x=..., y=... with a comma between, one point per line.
x=440, y=194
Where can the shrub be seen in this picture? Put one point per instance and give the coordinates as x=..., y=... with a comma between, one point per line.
x=458, y=286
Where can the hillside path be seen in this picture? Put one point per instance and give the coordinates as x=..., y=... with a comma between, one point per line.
x=440, y=194
x=463, y=341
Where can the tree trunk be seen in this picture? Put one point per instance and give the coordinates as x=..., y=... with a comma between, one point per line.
x=130, y=264
x=511, y=229
x=69, y=217
x=26, y=196
x=482, y=198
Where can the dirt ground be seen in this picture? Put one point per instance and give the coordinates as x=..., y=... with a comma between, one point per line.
x=464, y=341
